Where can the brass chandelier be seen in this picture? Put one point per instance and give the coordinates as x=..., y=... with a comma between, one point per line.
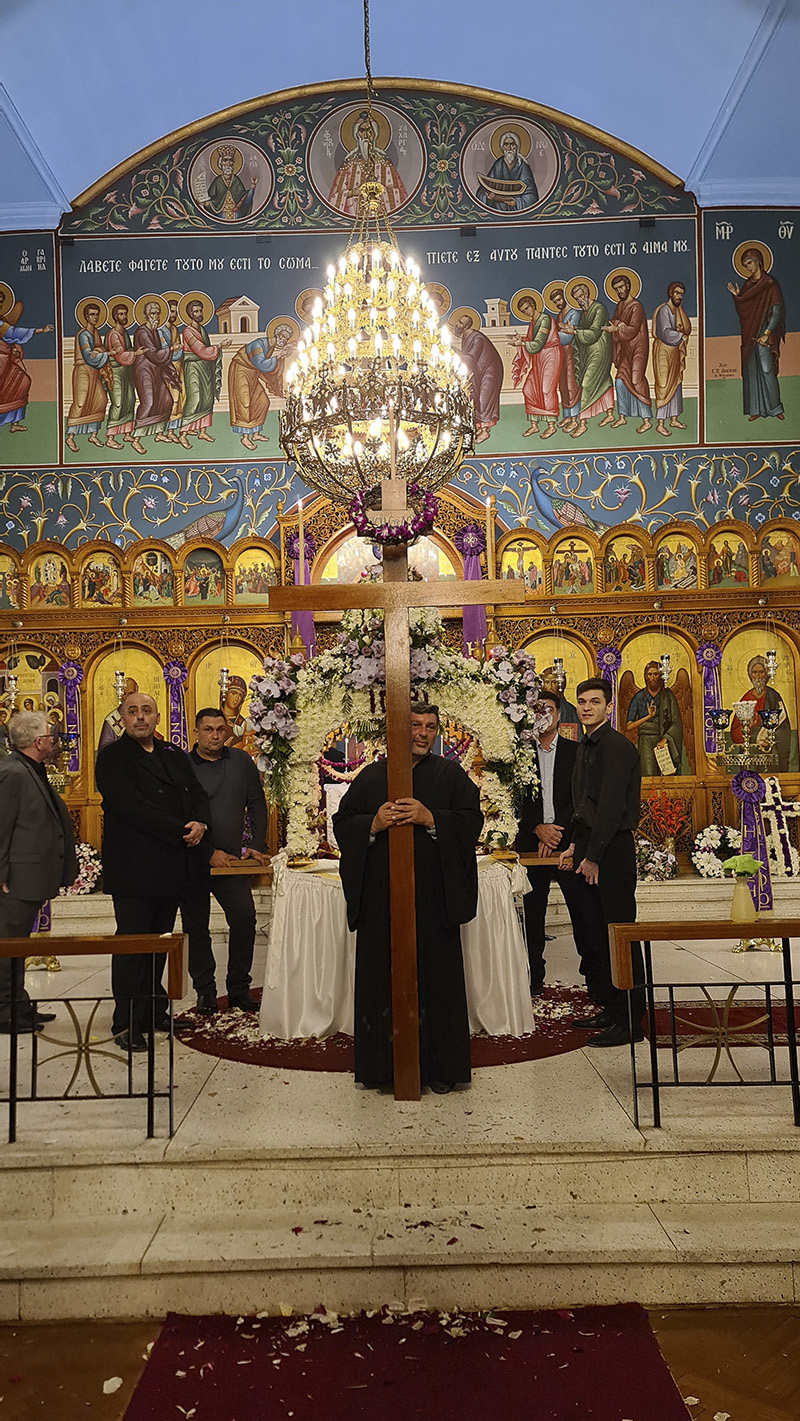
x=376, y=390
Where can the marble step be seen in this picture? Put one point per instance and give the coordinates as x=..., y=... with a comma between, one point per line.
x=529, y=1256
x=54, y=1184
x=94, y=913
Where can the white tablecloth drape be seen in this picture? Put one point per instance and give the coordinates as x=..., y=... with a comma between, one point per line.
x=308, y=987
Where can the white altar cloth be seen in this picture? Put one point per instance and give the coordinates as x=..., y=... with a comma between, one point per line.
x=308, y=987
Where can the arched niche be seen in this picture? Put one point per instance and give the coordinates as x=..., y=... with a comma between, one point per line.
x=520, y=555
x=153, y=577
x=624, y=557
x=100, y=581
x=207, y=686
x=142, y=671
x=678, y=715
x=10, y=582
x=550, y=646
x=677, y=559
x=742, y=678
x=347, y=558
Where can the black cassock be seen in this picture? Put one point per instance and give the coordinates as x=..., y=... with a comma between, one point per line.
x=446, y=877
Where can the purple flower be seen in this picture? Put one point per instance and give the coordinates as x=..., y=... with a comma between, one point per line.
x=516, y=712
x=24, y=501
x=623, y=492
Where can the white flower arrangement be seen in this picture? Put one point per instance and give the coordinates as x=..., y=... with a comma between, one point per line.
x=295, y=705
x=712, y=846
x=89, y=871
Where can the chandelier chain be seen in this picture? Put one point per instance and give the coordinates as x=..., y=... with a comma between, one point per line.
x=367, y=64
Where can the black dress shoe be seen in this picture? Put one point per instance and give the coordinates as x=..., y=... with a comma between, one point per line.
x=130, y=1042
x=441, y=1087
x=537, y=989
x=618, y=1035
x=27, y=1024
x=206, y=1004
x=244, y=1002
x=180, y=1026
x=600, y=1021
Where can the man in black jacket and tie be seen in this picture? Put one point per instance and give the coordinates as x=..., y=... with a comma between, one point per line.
x=606, y=795
x=156, y=816
x=544, y=829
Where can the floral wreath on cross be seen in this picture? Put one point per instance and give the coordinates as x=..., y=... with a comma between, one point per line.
x=393, y=534
x=295, y=705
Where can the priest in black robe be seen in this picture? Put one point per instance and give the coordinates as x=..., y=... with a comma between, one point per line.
x=445, y=812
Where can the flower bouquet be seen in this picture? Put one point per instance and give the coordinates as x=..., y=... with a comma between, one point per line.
x=712, y=846
x=89, y=871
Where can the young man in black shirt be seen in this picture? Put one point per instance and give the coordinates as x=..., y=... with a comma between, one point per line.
x=606, y=795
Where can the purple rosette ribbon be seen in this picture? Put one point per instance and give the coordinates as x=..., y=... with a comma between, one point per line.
x=302, y=621
x=750, y=790
x=175, y=674
x=471, y=542
x=708, y=657
x=70, y=675
x=609, y=660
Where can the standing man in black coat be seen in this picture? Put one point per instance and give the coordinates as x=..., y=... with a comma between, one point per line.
x=544, y=828
x=234, y=789
x=156, y=815
x=606, y=794
x=446, y=815
x=37, y=849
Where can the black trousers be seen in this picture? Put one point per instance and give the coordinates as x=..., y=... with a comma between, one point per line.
x=580, y=904
x=235, y=898
x=614, y=901
x=132, y=976
x=17, y=917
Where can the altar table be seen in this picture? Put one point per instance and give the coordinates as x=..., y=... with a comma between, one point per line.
x=308, y=986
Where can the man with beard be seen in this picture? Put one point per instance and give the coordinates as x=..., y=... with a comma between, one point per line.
x=445, y=812
x=539, y=358
x=249, y=387
x=766, y=698
x=654, y=723
x=90, y=381
x=121, y=358
x=510, y=167
x=170, y=333
x=366, y=163
x=485, y=365
x=671, y=331
x=202, y=374
x=592, y=356
x=762, y=318
x=155, y=379
x=628, y=327
x=155, y=833
x=568, y=389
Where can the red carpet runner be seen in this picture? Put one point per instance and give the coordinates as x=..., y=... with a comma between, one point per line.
x=590, y=1364
x=236, y=1036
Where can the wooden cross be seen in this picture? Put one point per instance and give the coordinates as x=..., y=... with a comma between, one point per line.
x=395, y=596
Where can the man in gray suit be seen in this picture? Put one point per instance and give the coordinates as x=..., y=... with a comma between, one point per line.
x=37, y=849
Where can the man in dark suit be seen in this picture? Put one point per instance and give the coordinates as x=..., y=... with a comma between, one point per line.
x=37, y=849
x=606, y=794
x=544, y=829
x=156, y=816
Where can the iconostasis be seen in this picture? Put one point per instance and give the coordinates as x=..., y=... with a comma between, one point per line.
x=635, y=372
